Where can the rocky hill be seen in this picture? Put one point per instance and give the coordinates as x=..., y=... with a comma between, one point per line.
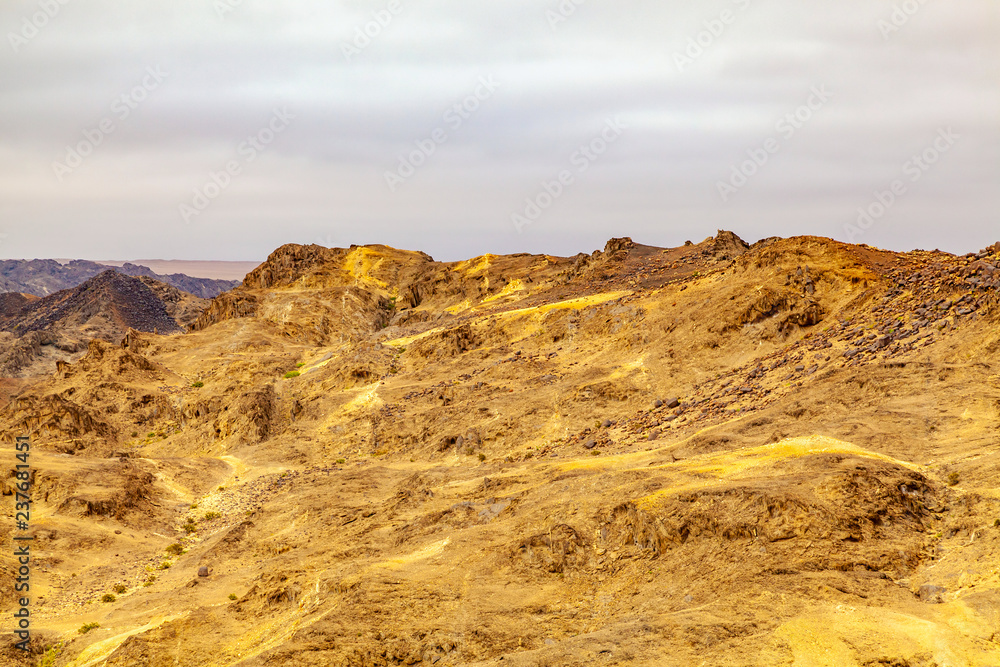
x=41, y=331
x=782, y=453
x=41, y=277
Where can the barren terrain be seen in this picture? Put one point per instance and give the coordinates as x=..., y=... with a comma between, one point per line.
x=716, y=454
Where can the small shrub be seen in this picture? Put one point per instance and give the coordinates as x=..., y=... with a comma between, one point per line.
x=341, y=461
x=150, y=579
x=49, y=658
x=212, y=515
x=194, y=506
x=108, y=597
x=165, y=565
x=175, y=549
x=88, y=627
x=292, y=374
x=996, y=524
x=135, y=434
x=232, y=596
x=482, y=457
x=222, y=488
x=299, y=365
x=150, y=435
x=953, y=478
x=190, y=528
x=198, y=385
x=120, y=588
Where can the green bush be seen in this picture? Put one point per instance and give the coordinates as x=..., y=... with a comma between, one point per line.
x=165, y=565
x=292, y=374
x=232, y=596
x=108, y=597
x=175, y=549
x=50, y=656
x=212, y=515
x=341, y=461
x=198, y=385
x=88, y=627
x=120, y=588
x=482, y=457
x=954, y=478
x=299, y=365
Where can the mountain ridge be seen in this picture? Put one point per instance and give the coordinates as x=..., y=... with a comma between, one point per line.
x=724, y=453
x=41, y=277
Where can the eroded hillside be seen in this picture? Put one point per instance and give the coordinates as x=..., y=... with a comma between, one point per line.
x=719, y=454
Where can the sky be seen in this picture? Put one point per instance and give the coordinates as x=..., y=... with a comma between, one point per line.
x=222, y=129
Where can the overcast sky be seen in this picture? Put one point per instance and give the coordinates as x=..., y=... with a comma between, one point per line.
x=119, y=121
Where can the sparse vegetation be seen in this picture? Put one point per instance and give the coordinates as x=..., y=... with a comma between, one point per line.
x=299, y=365
x=165, y=565
x=108, y=597
x=482, y=457
x=175, y=549
x=198, y=385
x=292, y=374
x=341, y=461
x=84, y=629
x=232, y=596
x=212, y=515
x=120, y=588
x=954, y=478
x=50, y=656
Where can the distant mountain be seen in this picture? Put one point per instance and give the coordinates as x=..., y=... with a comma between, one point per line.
x=36, y=332
x=42, y=277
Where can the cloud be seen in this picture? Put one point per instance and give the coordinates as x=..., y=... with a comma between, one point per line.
x=324, y=178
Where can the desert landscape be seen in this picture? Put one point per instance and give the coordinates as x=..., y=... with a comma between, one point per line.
x=722, y=453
